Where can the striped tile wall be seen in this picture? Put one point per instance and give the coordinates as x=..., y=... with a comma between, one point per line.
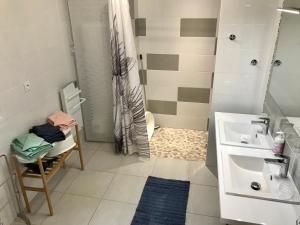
x=177, y=39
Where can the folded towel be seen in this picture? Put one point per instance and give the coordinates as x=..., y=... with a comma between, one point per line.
x=62, y=120
x=30, y=146
x=49, y=132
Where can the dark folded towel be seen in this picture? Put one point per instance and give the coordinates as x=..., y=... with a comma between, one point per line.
x=48, y=132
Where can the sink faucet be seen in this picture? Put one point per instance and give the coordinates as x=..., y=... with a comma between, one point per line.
x=283, y=161
x=263, y=121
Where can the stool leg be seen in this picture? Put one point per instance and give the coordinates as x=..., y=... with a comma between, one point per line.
x=20, y=179
x=79, y=147
x=44, y=179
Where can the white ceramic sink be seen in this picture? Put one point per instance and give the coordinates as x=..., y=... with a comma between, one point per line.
x=243, y=133
x=240, y=171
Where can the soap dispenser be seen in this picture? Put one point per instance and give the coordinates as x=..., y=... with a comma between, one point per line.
x=279, y=142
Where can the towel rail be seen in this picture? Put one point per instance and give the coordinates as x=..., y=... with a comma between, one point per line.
x=74, y=95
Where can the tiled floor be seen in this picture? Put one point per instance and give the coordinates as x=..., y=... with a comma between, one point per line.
x=108, y=190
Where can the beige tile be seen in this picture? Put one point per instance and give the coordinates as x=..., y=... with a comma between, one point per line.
x=113, y=213
x=140, y=27
x=63, y=179
x=203, y=200
x=73, y=210
x=137, y=166
x=198, y=27
x=125, y=188
x=199, y=173
x=168, y=27
x=193, y=109
x=105, y=161
x=7, y=214
x=39, y=207
x=161, y=92
x=199, y=95
x=143, y=76
x=197, y=63
x=157, y=78
x=162, y=107
x=110, y=147
x=171, y=169
x=193, y=219
x=162, y=62
x=74, y=160
x=178, y=45
x=91, y=184
x=183, y=122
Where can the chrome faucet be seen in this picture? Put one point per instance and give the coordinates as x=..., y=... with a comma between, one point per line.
x=283, y=161
x=263, y=121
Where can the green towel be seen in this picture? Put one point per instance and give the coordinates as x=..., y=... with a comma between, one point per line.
x=30, y=146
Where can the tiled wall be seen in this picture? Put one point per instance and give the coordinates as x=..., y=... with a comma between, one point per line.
x=240, y=87
x=177, y=39
x=34, y=46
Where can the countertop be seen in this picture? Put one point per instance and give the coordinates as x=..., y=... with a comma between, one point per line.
x=235, y=209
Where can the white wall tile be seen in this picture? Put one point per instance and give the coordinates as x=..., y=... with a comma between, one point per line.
x=182, y=122
x=166, y=93
x=178, y=45
x=193, y=109
x=179, y=78
x=196, y=63
x=178, y=8
x=167, y=27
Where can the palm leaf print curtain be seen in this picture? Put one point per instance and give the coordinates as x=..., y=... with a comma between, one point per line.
x=130, y=129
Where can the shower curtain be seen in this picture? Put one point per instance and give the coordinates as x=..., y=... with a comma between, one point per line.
x=130, y=128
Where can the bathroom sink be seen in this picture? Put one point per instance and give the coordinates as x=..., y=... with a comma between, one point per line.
x=244, y=134
x=250, y=176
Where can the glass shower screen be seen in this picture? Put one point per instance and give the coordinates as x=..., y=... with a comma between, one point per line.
x=90, y=28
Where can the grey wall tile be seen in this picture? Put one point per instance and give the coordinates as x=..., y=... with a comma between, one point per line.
x=162, y=107
x=140, y=27
x=162, y=62
x=200, y=95
x=143, y=76
x=198, y=27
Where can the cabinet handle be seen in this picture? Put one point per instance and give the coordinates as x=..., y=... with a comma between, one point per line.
x=254, y=62
x=277, y=62
x=232, y=37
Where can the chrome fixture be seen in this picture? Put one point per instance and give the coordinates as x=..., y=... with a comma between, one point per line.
x=277, y=62
x=254, y=62
x=232, y=37
x=283, y=161
x=289, y=10
x=263, y=121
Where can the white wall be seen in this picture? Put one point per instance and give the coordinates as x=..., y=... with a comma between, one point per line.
x=34, y=46
x=240, y=87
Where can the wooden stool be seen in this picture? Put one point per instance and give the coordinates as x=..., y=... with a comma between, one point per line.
x=45, y=175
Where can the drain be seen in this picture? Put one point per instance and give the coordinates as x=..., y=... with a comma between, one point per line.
x=255, y=186
x=244, y=142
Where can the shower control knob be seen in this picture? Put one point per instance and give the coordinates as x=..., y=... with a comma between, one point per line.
x=254, y=62
x=277, y=62
x=232, y=37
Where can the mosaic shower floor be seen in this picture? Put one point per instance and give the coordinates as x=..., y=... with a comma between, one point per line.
x=179, y=144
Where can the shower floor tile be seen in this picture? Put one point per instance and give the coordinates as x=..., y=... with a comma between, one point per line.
x=183, y=144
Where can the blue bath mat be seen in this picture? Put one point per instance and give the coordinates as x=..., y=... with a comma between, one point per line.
x=163, y=202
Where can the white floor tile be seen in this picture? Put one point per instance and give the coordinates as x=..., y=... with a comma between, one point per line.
x=138, y=166
x=193, y=219
x=203, y=200
x=171, y=169
x=39, y=207
x=74, y=160
x=105, y=161
x=199, y=173
x=91, y=184
x=62, y=182
x=113, y=213
x=125, y=188
x=73, y=210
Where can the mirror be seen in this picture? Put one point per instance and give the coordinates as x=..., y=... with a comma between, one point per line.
x=284, y=86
